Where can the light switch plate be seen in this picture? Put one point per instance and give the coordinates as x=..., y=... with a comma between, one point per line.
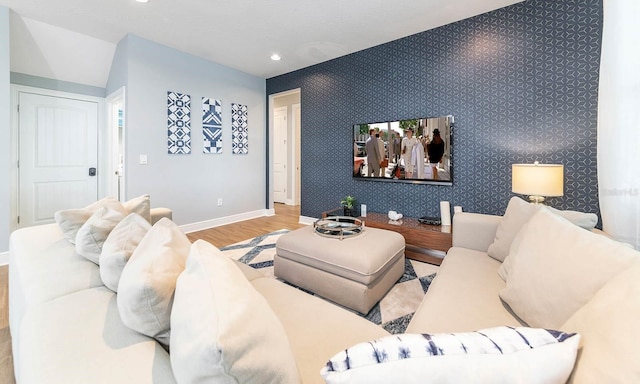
x=143, y=159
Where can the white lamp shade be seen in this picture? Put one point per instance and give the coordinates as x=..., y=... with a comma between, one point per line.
x=537, y=179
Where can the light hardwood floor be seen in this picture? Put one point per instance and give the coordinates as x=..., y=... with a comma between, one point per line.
x=285, y=217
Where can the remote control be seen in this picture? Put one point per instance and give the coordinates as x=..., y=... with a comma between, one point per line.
x=430, y=220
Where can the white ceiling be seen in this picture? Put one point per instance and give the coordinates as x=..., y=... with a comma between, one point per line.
x=242, y=34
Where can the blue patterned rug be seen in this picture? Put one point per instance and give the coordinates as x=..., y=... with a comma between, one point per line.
x=393, y=312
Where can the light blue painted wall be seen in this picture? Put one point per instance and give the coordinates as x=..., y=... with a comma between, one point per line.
x=119, y=67
x=56, y=85
x=189, y=184
x=5, y=125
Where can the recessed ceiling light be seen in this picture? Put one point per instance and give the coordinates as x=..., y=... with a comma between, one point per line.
x=275, y=57
x=142, y=1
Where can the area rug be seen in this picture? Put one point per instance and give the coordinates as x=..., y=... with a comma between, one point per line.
x=392, y=313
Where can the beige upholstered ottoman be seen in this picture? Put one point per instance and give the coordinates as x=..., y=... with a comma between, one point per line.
x=354, y=272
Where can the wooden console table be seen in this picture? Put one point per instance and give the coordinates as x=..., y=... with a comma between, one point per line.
x=418, y=237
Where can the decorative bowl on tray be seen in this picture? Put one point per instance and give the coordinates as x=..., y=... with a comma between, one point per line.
x=338, y=227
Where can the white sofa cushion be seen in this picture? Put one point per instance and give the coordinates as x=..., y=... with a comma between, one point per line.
x=495, y=355
x=222, y=329
x=70, y=220
x=518, y=213
x=93, y=233
x=79, y=338
x=119, y=246
x=140, y=205
x=316, y=328
x=47, y=268
x=43, y=270
x=464, y=294
x=557, y=267
x=608, y=324
x=148, y=281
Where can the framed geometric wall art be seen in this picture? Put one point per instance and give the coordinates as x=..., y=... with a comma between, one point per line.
x=212, y=125
x=179, y=123
x=239, y=129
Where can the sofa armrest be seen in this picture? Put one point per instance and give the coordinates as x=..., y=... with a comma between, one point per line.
x=474, y=230
x=159, y=213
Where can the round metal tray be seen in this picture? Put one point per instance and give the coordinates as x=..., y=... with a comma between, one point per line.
x=338, y=227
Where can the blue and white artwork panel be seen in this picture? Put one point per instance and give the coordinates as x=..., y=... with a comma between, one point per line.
x=239, y=129
x=212, y=125
x=178, y=123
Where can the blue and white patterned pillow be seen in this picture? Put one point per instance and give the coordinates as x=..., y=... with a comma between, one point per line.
x=501, y=354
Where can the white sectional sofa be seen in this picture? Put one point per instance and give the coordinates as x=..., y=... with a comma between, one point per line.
x=59, y=308
x=66, y=327
x=555, y=275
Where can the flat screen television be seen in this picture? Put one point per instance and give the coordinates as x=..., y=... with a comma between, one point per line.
x=410, y=151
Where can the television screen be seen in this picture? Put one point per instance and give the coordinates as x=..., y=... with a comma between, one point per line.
x=415, y=150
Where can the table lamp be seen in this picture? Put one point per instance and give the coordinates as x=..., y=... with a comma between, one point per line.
x=537, y=180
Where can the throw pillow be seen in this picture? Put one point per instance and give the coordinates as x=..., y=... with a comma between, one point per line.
x=583, y=220
x=70, y=220
x=140, y=205
x=119, y=247
x=95, y=230
x=222, y=329
x=518, y=213
x=557, y=267
x=148, y=281
x=608, y=324
x=494, y=355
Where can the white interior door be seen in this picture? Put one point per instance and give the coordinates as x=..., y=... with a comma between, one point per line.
x=280, y=155
x=58, y=156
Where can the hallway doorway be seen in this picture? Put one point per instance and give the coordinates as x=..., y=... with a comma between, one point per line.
x=284, y=159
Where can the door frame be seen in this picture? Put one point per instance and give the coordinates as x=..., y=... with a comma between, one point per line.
x=286, y=199
x=15, y=144
x=270, y=134
x=295, y=153
x=117, y=97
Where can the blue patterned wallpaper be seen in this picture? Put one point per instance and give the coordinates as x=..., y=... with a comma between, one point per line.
x=521, y=81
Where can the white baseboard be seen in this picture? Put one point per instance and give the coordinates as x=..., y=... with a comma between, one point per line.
x=4, y=258
x=199, y=226
x=307, y=220
x=270, y=212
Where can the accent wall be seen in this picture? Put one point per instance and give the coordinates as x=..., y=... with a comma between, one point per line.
x=521, y=81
